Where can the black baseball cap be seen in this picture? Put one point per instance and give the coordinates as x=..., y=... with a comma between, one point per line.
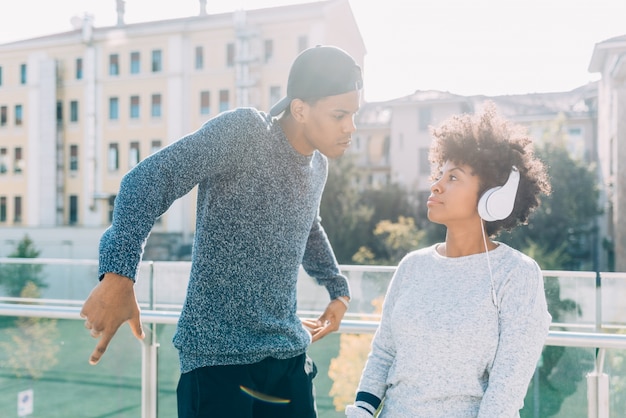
x=320, y=71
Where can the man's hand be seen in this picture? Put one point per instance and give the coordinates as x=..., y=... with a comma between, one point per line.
x=111, y=303
x=328, y=322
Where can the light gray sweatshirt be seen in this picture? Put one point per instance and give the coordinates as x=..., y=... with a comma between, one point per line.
x=443, y=348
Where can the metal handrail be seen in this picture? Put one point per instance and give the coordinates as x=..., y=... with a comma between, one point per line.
x=348, y=326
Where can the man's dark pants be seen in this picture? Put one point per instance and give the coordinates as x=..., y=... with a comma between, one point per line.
x=271, y=388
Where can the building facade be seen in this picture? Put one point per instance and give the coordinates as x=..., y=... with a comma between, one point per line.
x=609, y=59
x=81, y=108
x=397, y=133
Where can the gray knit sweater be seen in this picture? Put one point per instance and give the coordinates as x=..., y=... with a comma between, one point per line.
x=257, y=222
x=443, y=349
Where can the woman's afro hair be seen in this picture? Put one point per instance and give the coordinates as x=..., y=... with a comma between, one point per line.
x=491, y=145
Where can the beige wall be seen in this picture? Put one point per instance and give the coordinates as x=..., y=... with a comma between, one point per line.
x=179, y=84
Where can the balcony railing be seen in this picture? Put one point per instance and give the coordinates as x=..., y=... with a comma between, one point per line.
x=44, y=347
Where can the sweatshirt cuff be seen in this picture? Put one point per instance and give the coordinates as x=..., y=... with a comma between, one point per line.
x=367, y=402
x=353, y=411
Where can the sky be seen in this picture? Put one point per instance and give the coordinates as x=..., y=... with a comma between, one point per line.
x=466, y=47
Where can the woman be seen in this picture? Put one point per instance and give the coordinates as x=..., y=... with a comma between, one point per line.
x=464, y=321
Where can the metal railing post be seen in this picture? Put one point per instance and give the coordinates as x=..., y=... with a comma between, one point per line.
x=597, y=381
x=149, y=358
x=598, y=323
x=598, y=389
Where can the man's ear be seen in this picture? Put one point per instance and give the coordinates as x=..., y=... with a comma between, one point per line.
x=298, y=109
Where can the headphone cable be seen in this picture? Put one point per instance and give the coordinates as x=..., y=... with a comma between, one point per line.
x=494, y=297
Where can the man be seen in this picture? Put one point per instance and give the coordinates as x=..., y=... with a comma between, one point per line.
x=260, y=179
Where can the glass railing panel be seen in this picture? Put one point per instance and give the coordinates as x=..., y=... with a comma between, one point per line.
x=50, y=357
x=571, y=298
x=170, y=284
x=68, y=283
x=615, y=368
x=67, y=385
x=337, y=371
x=368, y=286
x=613, y=312
x=558, y=388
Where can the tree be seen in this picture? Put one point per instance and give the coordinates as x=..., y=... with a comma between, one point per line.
x=344, y=216
x=31, y=349
x=396, y=239
x=566, y=220
x=351, y=212
x=13, y=277
x=389, y=204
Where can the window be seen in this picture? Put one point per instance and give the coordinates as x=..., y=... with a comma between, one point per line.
x=23, y=74
x=74, y=111
x=205, y=103
x=73, y=210
x=59, y=112
x=134, y=107
x=303, y=43
x=113, y=159
x=17, y=210
x=386, y=149
x=111, y=207
x=425, y=117
x=18, y=115
x=223, y=100
x=18, y=163
x=79, y=68
x=114, y=64
x=274, y=94
x=268, y=49
x=424, y=164
x=135, y=63
x=133, y=154
x=155, y=145
x=4, y=115
x=114, y=108
x=73, y=157
x=157, y=65
x=3, y=208
x=230, y=55
x=199, y=61
x=575, y=131
x=4, y=163
x=156, y=106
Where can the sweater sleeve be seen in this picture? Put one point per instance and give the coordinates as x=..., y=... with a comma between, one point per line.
x=151, y=187
x=320, y=263
x=373, y=383
x=524, y=325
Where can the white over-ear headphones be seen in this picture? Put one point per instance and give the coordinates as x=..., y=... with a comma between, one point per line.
x=497, y=203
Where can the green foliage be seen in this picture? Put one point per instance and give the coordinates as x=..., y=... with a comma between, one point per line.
x=344, y=217
x=396, y=239
x=389, y=204
x=350, y=215
x=31, y=349
x=13, y=277
x=565, y=222
x=548, y=259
